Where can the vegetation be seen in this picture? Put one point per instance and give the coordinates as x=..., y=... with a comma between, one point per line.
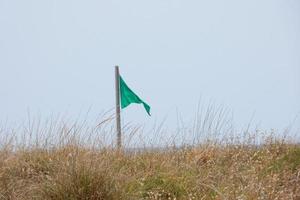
x=61, y=166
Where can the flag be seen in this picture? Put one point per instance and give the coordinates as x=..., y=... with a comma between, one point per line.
x=128, y=97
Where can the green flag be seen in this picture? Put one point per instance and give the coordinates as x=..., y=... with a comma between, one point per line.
x=128, y=97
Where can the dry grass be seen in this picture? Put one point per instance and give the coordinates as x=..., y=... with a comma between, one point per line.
x=233, y=172
x=64, y=167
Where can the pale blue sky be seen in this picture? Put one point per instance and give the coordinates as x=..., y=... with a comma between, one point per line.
x=57, y=56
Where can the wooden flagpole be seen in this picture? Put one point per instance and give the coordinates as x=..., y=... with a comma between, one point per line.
x=118, y=112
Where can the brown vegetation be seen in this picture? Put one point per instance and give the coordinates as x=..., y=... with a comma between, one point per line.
x=57, y=162
x=71, y=172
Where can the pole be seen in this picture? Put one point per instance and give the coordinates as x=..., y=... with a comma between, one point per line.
x=118, y=114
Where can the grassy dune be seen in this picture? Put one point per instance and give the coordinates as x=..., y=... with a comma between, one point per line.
x=55, y=162
x=70, y=172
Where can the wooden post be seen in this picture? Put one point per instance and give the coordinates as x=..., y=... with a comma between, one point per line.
x=118, y=113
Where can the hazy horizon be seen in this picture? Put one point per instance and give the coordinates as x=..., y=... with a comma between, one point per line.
x=58, y=57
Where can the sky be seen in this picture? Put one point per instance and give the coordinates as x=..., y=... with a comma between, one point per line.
x=58, y=56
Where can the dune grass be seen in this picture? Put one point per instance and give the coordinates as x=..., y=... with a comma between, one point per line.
x=55, y=162
x=72, y=172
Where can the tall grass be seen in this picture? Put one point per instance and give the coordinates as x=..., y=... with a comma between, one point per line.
x=61, y=160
